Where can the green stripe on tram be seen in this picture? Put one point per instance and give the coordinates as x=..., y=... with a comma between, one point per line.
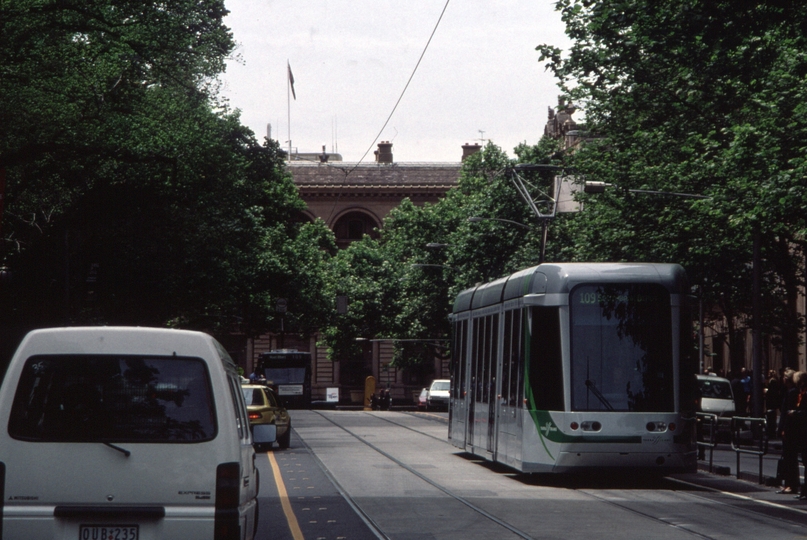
x=547, y=428
x=544, y=424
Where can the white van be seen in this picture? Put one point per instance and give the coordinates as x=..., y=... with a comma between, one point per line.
x=716, y=396
x=127, y=433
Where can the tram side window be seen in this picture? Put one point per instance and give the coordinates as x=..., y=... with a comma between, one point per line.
x=493, y=357
x=517, y=360
x=507, y=356
x=476, y=357
x=460, y=371
x=546, y=367
x=485, y=378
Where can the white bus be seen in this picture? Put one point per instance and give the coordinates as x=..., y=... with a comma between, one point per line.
x=576, y=366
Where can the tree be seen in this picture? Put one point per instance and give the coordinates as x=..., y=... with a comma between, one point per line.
x=400, y=289
x=698, y=97
x=134, y=196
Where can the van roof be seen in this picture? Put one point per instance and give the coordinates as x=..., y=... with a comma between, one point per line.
x=122, y=340
x=711, y=378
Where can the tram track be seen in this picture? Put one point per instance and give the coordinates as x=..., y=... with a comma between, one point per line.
x=730, y=511
x=410, y=428
x=616, y=498
x=587, y=493
x=645, y=515
x=477, y=509
x=367, y=519
x=763, y=514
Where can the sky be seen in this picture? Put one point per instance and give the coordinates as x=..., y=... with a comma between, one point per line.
x=479, y=80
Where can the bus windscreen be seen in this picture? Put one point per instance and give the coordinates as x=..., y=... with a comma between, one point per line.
x=286, y=375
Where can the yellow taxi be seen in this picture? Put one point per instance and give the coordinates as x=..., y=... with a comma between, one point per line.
x=264, y=408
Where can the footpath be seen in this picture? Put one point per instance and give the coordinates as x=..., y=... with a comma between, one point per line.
x=721, y=475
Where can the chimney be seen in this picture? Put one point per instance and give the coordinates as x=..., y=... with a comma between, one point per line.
x=384, y=152
x=323, y=157
x=470, y=149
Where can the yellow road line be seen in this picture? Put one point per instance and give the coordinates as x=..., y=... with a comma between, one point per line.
x=294, y=527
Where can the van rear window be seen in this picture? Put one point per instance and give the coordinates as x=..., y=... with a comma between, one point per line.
x=113, y=398
x=715, y=389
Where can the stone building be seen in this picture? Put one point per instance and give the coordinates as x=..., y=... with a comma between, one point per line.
x=353, y=200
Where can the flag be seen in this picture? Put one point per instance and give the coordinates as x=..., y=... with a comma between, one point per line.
x=291, y=81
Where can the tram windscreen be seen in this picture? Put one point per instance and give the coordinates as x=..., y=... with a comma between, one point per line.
x=621, y=348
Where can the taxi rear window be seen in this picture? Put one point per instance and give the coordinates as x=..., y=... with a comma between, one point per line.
x=253, y=396
x=114, y=398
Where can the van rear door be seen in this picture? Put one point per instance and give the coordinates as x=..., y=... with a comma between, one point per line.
x=108, y=442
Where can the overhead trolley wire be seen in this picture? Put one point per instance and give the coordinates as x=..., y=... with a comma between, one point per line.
x=400, y=97
x=422, y=54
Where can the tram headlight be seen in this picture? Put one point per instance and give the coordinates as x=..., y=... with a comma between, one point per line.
x=657, y=427
x=591, y=426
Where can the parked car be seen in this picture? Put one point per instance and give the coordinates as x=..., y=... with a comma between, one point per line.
x=264, y=407
x=438, y=394
x=423, y=399
x=125, y=432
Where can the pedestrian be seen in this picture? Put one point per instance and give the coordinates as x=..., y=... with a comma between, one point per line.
x=740, y=397
x=787, y=432
x=773, y=401
x=800, y=429
x=745, y=379
x=255, y=376
x=374, y=402
x=386, y=400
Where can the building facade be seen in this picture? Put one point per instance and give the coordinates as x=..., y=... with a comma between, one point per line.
x=353, y=200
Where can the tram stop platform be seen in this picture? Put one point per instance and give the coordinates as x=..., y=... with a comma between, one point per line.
x=750, y=483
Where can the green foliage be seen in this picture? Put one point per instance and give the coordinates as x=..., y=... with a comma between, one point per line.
x=697, y=97
x=133, y=197
x=391, y=296
x=363, y=274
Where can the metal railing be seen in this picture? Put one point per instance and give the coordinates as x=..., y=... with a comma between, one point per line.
x=706, y=429
x=749, y=436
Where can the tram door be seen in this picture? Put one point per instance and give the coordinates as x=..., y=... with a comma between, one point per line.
x=511, y=366
x=460, y=385
x=482, y=402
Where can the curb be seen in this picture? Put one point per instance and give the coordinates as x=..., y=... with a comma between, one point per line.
x=747, y=476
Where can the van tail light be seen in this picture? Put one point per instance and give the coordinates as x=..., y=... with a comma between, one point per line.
x=228, y=496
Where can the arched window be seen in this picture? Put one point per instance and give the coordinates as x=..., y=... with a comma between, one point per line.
x=353, y=226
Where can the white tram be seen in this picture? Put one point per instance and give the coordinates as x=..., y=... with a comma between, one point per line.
x=576, y=366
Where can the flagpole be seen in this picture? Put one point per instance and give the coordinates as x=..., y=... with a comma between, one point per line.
x=288, y=103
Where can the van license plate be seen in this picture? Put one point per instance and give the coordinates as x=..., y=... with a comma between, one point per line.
x=108, y=532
